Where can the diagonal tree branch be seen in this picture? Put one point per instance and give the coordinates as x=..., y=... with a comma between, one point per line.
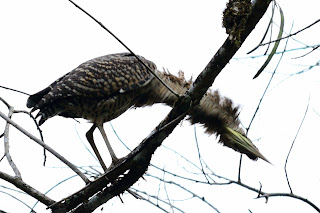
x=41, y=143
x=19, y=183
x=262, y=194
x=226, y=52
x=122, y=176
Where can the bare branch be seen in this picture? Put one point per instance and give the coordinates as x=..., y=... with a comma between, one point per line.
x=239, y=169
x=39, y=130
x=18, y=91
x=260, y=101
x=16, y=181
x=285, y=165
x=41, y=143
x=187, y=190
x=123, y=175
x=6, y=146
x=267, y=30
x=156, y=198
x=290, y=35
x=199, y=155
x=267, y=87
x=292, y=196
x=262, y=194
x=21, y=201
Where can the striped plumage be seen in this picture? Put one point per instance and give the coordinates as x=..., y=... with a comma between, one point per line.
x=98, y=90
x=101, y=89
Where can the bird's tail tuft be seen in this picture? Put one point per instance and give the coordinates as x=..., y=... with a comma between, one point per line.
x=240, y=143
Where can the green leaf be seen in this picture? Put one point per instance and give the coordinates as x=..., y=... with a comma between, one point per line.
x=275, y=47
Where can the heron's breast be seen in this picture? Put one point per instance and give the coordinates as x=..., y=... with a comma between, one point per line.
x=99, y=110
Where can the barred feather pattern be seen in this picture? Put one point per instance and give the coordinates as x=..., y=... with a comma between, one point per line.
x=103, y=88
x=214, y=112
x=98, y=90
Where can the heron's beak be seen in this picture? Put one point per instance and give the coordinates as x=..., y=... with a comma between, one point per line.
x=243, y=144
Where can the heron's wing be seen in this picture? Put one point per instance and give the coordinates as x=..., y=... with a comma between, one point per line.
x=34, y=99
x=99, y=78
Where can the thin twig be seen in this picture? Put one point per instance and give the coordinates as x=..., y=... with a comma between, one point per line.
x=280, y=52
x=267, y=87
x=6, y=146
x=21, y=201
x=159, y=188
x=41, y=143
x=265, y=91
x=261, y=194
x=115, y=132
x=268, y=195
x=298, y=73
x=179, y=176
x=188, y=161
x=292, y=196
x=156, y=198
x=56, y=185
x=313, y=49
x=13, y=190
x=239, y=169
x=15, y=90
x=199, y=156
x=285, y=165
x=26, y=188
x=125, y=46
x=187, y=190
x=166, y=191
x=39, y=130
x=267, y=30
x=5, y=103
x=290, y=35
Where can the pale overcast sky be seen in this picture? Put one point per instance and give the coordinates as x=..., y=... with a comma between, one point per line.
x=42, y=40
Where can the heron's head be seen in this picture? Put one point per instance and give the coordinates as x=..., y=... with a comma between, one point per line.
x=237, y=140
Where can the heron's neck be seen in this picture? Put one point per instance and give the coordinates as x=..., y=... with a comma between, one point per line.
x=213, y=112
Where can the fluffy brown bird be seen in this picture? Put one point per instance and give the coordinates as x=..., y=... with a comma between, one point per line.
x=103, y=88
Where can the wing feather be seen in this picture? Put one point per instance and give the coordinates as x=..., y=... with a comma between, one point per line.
x=99, y=78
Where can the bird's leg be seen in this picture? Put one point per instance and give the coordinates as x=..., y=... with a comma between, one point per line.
x=89, y=136
x=103, y=133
